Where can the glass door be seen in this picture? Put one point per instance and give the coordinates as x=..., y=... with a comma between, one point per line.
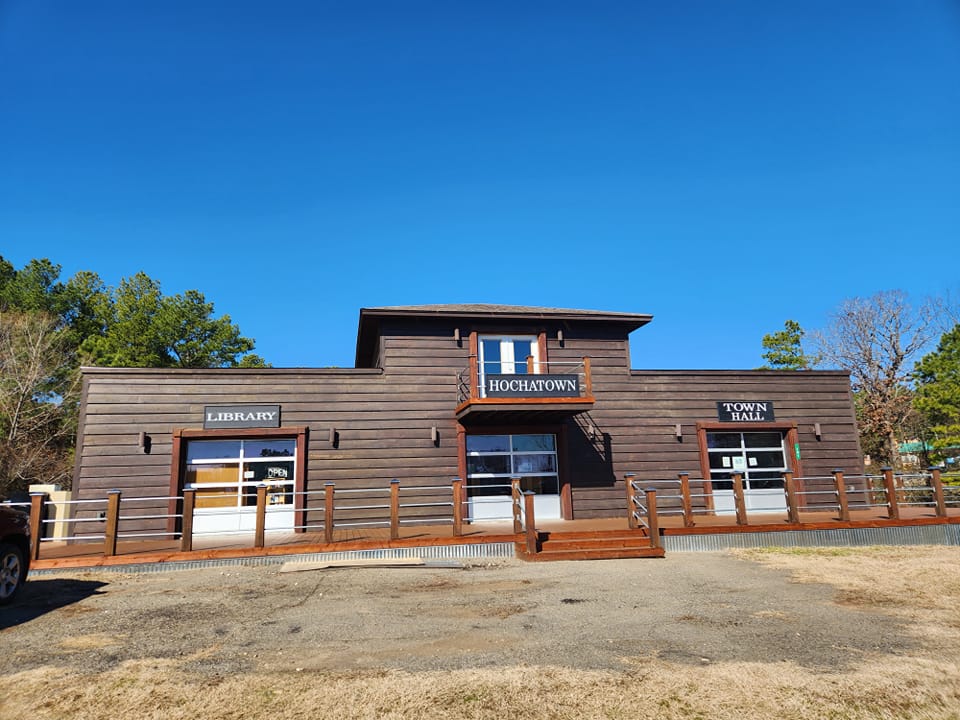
x=493, y=460
x=505, y=356
x=759, y=458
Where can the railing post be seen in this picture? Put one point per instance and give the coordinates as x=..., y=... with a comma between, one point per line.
x=261, y=516
x=515, y=500
x=587, y=380
x=631, y=501
x=739, y=500
x=113, y=522
x=653, y=521
x=890, y=486
x=186, y=523
x=328, y=513
x=685, y=499
x=38, y=502
x=938, y=492
x=530, y=368
x=394, y=509
x=790, y=490
x=530, y=522
x=841, y=495
x=457, y=507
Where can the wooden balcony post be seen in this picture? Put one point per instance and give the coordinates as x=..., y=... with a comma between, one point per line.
x=186, y=523
x=653, y=521
x=38, y=506
x=515, y=504
x=790, y=490
x=457, y=507
x=394, y=509
x=530, y=522
x=841, y=495
x=328, y=513
x=474, y=378
x=261, y=525
x=685, y=499
x=938, y=492
x=587, y=379
x=631, y=501
x=113, y=522
x=739, y=500
x=890, y=486
x=530, y=367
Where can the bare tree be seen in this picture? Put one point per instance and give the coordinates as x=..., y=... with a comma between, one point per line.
x=877, y=340
x=37, y=394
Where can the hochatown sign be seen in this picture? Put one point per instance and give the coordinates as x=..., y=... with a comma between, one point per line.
x=532, y=386
x=745, y=411
x=241, y=416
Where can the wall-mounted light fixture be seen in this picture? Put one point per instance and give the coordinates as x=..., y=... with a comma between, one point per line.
x=334, y=437
x=816, y=431
x=434, y=435
x=456, y=336
x=679, y=431
x=144, y=442
x=560, y=337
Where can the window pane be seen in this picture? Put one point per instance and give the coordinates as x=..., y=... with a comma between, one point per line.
x=269, y=448
x=488, y=443
x=487, y=464
x=723, y=440
x=765, y=439
x=765, y=459
x=212, y=473
x=722, y=461
x=491, y=356
x=534, y=463
x=488, y=486
x=547, y=485
x=533, y=443
x=521, y=349
x=212, y=449
x=760, y=483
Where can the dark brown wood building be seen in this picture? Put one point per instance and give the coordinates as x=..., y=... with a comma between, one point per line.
x=479, y=392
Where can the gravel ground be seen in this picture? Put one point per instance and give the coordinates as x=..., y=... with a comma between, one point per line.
x=691, y=608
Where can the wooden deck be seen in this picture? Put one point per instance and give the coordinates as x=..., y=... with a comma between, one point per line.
x=567, y=534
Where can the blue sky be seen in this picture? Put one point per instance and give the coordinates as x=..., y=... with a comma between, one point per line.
x=723, y=166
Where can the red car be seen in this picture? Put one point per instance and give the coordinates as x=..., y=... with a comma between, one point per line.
x=14, y=551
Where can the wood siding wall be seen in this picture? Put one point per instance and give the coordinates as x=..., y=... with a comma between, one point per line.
x=383, y=419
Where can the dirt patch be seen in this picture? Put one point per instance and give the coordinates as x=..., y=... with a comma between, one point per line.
x=696, y=635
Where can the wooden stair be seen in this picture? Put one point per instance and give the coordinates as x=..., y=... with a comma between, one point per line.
x=596, y=545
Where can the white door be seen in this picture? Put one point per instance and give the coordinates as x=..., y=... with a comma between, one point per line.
x=501, y=355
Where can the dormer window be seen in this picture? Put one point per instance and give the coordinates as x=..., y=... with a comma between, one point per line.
x=507, y=355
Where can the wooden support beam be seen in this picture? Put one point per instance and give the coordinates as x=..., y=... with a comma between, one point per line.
x=38, y=502
x=457, y=507
x=938, y=492
x=890, y=486
x=186, y=524
x=685, y=500
x=739, y=500
x=790, y=490
x=394, y=509
x=631, y=501
x=113, y=523
x=328, y=513
x=261, y=525
x=516, y=500
x=530, y=523
x=841, y=488
x=653, y=521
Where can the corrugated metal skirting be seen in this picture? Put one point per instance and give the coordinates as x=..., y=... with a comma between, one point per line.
x=841, y=537
x=473, y=551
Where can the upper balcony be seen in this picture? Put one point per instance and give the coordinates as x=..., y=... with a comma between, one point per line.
x=533, y=391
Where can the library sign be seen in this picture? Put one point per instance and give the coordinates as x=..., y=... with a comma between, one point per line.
x=240, y=416
x=745, y=411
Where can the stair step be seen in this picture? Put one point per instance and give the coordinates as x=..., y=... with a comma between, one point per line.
x=596, y=544
x=596, y=554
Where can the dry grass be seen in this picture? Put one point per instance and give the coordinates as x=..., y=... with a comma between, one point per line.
x=920, y=585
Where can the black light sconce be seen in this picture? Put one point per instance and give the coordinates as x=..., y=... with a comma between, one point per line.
x=435, y=436
x=144, y=442
x=456, y=336
x=679, y=431
x=816, y=431
x=560, y=337
x=334, y=438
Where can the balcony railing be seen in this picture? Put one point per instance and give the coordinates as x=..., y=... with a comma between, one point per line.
x=547, y=381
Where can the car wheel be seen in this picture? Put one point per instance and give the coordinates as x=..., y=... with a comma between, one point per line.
x=11, y=572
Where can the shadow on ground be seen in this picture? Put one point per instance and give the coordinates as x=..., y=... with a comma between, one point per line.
x=39, y=597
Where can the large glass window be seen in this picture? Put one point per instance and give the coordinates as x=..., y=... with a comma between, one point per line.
x=226, y=473
x=506, y=356
x=492, y=460
x=757, y=456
